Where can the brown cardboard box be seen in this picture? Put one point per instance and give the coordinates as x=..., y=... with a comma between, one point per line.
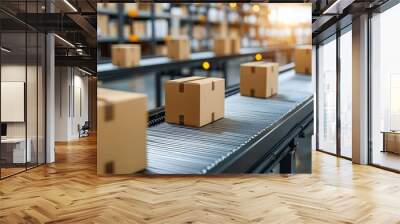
x=121, y=133
x=113, y=28
x=194, y=101
x=178, y=48
x=392, y=142
x=235, y=45
x=127, y=30
x=226, y=45
x=139, y=28
x=161, y=50
x=102, y=25
x=125, y=55
x=259, y=79
x=222, y=46
x=111, y=6
x=302, y=58
x=130, y=7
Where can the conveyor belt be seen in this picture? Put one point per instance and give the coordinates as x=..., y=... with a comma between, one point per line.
x=155, y=64
x=174, y=149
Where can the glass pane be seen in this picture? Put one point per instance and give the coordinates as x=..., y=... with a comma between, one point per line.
x=31, y=98
x=13, y=86
x=327, y=97
x=41, y=99
x=346, y=94
x=386, y=89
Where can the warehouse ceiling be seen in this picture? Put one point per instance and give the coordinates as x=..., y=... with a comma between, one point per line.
x=329, y=15
x=73, y=22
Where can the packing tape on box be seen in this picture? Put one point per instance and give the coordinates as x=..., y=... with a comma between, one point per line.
x=108, y=109
x=182, y=84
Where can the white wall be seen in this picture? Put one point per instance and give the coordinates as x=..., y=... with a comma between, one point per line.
x=33, y=126
x=12, y=73
x=71, y=87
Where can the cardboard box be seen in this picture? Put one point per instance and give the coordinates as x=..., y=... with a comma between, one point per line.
x=302, y=59
x=121, y=133
x=130, y=7
x=194, y=101
x=111, y=6
x=222, y=46
x=127, y=30
x=102, y=25
x=113, y=28
x=259, y=79
x=226, y=45
x=161, y=50
x=392, y=142
x=235, y=45
x=125, y=55
x=178, y=48
x=139, y=28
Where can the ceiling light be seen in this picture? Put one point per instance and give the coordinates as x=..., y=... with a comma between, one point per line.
x=256, y=8
x=86, y=72
x=5, y=50
x=65, y=41
x=70, y=5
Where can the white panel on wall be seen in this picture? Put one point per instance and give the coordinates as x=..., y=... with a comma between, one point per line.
x=12, y=101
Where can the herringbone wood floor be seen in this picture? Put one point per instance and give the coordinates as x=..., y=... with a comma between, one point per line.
x=70, y=192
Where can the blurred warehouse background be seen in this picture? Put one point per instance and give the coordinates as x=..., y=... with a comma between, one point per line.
x=259, y=27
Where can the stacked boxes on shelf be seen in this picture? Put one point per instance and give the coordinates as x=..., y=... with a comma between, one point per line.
x=302, y=58
x=178, y=48
x=252, y=22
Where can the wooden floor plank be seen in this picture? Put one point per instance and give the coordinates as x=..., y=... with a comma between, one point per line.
x=69, y=191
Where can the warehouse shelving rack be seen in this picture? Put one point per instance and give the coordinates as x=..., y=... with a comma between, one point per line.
x=163, y=66
x=191, y=20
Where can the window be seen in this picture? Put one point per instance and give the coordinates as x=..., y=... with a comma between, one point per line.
x=346, y=93
x=327, y=97
x=385, y=89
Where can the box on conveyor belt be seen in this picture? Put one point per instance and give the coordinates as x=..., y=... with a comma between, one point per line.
x=259, y=79
x=235, y=45
x=302, y=59
x=125, y=55
x=194, y=101
x=124, y=113
x=222, y=46
x=226, y=45
x=178, y=48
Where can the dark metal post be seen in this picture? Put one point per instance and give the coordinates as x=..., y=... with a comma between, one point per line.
x=121, y=22
x=316, y=97
x=288, y=163
x=153, y=30
x=158, y=77
x=338, y=74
